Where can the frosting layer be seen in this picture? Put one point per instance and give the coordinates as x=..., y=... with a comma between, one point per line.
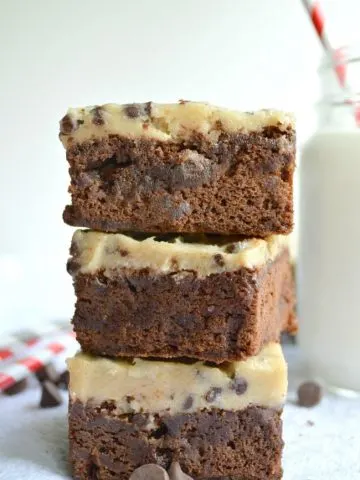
x=163, y=386
x=167, y=122
x=93, y=251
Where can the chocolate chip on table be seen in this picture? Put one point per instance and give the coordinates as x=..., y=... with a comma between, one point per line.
x=240, y=385
x=151, y=471
x=188, y=402
x=175, y=472
x=63, y=380
x=213, y=394
x=18, y=387
x=309, y=394
x=47, y=372
x=50, y=395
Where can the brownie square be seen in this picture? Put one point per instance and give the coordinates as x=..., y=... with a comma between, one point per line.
x=187, y=167
x=220, y=422
x=175, y=298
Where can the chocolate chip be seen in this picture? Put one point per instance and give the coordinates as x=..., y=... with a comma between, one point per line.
x=151, y=471
x=72, y=266
x=188, y=402
x=309, y=394
x=124, y=253
x=67, y=125
x=50, y=396
x=213, y=394
x=63, y=380
x=47, y=372
x=219, y=260
x=134, y=110
x=240, y=385
x=175, y=472
x=231, y=248
x=93, y=471
x=98, y=118
x=130, y=398
x=18, y=387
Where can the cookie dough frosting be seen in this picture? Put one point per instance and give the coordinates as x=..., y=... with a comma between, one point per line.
x=154, y=387
x=166, y=122
x=93, y=251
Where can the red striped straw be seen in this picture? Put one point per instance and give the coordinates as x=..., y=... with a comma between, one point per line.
x=337, y=56
x=22, y=368
x=18, y=343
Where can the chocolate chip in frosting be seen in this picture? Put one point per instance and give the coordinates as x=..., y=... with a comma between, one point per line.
x=213, y=394
x=98, y=118
x=219, y=260
x=134, y=110
x=240, y=385
x=67, y=125
x=151, y=471
x=232, y=248
x=175, y=472
x=188, y=402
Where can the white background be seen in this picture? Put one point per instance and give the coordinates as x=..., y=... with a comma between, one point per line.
x=244, y=54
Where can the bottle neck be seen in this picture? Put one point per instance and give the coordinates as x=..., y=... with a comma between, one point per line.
x=339, y=91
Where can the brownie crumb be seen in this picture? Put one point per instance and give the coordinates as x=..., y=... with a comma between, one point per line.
x=309, y=394
x=213, y=394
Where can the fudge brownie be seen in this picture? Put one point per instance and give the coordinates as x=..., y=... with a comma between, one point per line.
x=207, y=297
x=217, y=421
x=187, y=167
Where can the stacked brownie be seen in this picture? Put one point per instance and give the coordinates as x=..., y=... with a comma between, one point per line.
x=183, y=286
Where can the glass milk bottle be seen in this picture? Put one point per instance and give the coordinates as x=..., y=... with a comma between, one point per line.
x=329, y=248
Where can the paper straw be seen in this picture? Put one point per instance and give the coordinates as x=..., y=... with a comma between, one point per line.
x=19, y=342
x=337, y=56
x=40, y=357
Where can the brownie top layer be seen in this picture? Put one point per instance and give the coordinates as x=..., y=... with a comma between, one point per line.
x=174, y=122
x=204, y=254
x=155, y=386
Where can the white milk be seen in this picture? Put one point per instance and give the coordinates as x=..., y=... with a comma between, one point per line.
x=329, y=257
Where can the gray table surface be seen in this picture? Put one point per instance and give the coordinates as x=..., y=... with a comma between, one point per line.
x=322, y=443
